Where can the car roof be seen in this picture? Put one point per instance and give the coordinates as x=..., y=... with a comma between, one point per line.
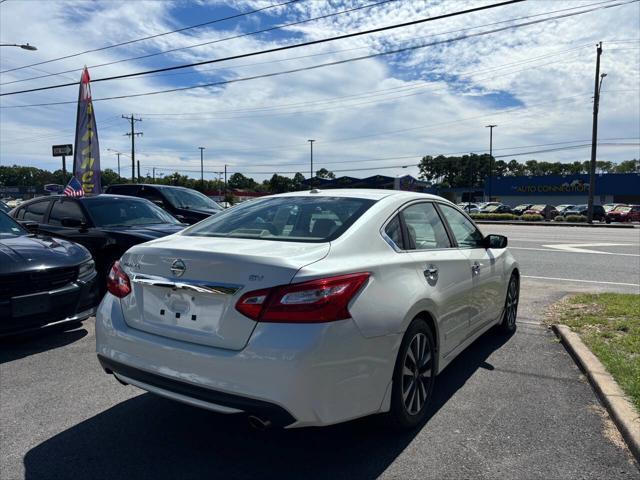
x=365, y=193
x=150, y=185
x=90, y=198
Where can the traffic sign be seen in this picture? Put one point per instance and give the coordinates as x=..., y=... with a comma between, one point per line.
x=62, y=150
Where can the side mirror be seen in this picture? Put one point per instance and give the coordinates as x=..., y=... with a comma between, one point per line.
x=495, y=241
x=72, y=223
x=180, y=217
x=30, y=226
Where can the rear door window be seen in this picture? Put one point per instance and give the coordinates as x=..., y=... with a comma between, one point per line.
x=35, y=211
x=424, y=227
x=293, y=219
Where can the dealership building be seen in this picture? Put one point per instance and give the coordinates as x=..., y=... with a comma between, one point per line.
x=512, y=190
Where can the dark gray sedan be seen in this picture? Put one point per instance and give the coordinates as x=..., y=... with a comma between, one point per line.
x=44, y=282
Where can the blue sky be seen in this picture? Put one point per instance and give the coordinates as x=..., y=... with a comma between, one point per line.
x=376, y=114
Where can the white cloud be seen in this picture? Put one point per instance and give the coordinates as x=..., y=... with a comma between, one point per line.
x=450, y=109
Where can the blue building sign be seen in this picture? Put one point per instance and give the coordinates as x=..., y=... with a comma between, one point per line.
x=606, y=184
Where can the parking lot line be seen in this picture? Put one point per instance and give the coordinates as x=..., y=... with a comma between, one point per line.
x=574, y=251
x=581, y=281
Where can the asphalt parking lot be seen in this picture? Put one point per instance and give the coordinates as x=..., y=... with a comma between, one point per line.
x=514, y=407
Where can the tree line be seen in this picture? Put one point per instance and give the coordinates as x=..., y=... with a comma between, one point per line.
x=445, y=171
x=18, y=176
x=473, y=169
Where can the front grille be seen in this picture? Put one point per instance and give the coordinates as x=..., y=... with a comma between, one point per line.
x=17, y=284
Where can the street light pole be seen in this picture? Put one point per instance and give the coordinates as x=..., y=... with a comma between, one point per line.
x=311, y=172
x=24, y=46
x=201, y=168
x=594, y=133
x=490, y=127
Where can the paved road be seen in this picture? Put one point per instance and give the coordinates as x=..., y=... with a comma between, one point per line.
x=513, y=407
x=611, y=260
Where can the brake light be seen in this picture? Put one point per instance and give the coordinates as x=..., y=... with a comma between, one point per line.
x=118, y=283
x=317, y=301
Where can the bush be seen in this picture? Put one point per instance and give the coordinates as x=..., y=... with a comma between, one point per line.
x=493, y=216
x=576, y=218
x=532, y=218
x=559, y=218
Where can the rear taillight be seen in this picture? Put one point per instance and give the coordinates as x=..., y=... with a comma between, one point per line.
x=317, y=301
x=118, y=283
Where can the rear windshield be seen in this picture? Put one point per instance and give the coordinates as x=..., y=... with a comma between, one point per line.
x=124, y=212
x=292, y=219
x=185, y=198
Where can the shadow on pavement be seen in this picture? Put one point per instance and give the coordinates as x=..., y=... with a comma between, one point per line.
x=151, y=437
x=14, y=348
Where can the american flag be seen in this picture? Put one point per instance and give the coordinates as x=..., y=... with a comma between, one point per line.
x=73, y=188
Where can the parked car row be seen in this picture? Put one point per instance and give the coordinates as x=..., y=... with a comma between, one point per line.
x=46, y=245
x=611, y=212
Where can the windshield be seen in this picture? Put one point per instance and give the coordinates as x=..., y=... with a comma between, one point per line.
x=491, y=208
x=190, y=199
x=622, y=209
x=538, y=207
x=121, y=212
x=9, y=228
x=4, y=207
x=293, y=219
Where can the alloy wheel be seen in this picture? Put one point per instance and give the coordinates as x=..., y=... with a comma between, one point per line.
x=511, y=307
x=417, y=374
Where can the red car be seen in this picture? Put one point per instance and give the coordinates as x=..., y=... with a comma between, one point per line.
x=628, y=213
x=548, y=212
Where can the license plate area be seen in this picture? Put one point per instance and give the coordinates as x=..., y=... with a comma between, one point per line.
x=28, y=305
x=182, y=310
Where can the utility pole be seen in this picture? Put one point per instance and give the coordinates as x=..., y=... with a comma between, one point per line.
x=133, y=135
x=594, y=133
x=118, y=154
x=225, y=181
x=154, y=174
x=490, y=127
x=201, y=168
x=311, y=172
x=138, y=162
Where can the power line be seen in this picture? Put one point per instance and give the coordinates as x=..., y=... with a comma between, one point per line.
x=417, y=157
x=219, y=40
x=129, y=42
x=303, y=68
x=285, y=47
x=317, y=54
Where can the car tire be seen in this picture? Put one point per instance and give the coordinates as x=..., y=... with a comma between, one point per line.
x=413, y=377
x=510, y=313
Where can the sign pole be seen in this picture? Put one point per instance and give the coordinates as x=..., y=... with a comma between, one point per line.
x=64, y=168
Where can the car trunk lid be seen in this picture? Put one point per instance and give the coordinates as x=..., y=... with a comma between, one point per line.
x=186, y=287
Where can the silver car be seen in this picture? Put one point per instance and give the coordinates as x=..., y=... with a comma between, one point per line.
x=308, y=308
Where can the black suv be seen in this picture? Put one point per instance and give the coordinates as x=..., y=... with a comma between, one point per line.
x=598, y=212
x=187, y=205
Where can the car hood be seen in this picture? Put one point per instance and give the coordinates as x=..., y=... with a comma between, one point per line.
x=20, y=254
x=149, y=231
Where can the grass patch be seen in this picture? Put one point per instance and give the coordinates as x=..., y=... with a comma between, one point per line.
x=609, y=324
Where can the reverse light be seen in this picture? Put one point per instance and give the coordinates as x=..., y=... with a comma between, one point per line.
x=118, y=283
x=316, y=301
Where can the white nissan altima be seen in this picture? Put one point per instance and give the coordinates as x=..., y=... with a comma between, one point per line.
x=308, y=308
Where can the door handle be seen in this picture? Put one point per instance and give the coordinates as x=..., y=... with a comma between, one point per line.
x=475, y=269
x=431, y=273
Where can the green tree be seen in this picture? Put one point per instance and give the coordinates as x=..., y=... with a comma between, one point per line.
x=239, y=181
x=324, y=173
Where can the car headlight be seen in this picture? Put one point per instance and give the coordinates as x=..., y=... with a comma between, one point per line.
x=86, y=270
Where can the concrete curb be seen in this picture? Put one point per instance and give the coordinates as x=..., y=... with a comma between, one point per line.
x=557, y=224
x=621, y=410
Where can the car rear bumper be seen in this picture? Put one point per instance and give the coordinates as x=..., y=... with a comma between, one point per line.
x=293, y=375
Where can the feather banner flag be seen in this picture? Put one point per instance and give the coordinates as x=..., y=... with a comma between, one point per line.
x=86, y=160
